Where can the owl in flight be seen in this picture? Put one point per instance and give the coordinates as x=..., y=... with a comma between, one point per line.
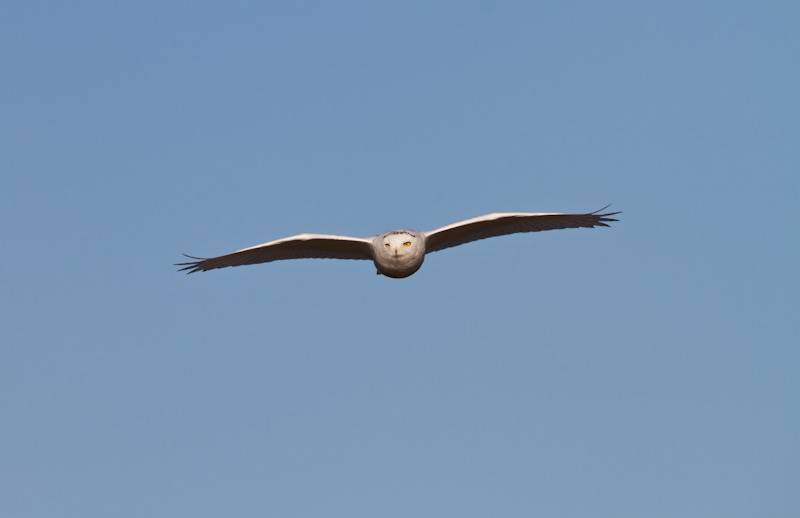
x=399, y=253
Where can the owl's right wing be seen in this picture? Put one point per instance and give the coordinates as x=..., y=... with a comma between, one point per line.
x=301, y=246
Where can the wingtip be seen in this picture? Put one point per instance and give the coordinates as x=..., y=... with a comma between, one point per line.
x=193, y=266
x=605, y=217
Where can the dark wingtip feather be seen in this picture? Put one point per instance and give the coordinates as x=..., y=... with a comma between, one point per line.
x=604, y=217
x=193, y=266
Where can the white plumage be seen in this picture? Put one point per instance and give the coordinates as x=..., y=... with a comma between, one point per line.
x=399, y=253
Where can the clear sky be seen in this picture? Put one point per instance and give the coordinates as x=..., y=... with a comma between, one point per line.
x=644, y=370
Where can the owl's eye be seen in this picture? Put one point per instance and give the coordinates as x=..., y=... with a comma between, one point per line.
x=386, y=245
x=407, y=243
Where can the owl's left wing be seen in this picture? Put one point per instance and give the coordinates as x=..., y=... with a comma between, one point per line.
x=503, y=223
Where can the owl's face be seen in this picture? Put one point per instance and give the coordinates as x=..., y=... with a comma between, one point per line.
x=399, y=245
x=399, y=253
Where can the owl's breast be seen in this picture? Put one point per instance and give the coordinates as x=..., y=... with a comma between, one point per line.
x=397, y=269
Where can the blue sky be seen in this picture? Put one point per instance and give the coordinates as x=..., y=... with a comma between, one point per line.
x=649, y=369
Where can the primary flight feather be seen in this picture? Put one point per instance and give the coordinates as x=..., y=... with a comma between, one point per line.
x=399, y=253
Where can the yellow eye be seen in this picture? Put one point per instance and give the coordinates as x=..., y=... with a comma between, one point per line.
x=407, y=243
x=386, y=245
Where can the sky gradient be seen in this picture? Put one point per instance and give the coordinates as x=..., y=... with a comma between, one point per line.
x=648, y=369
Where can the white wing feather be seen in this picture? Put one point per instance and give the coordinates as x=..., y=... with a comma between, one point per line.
x=301, y=246
x=503, y=223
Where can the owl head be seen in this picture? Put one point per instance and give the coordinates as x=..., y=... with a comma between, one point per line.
x=399, y=253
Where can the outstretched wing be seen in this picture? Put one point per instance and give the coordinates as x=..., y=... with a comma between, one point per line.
x=503, y=223
x=301, y=246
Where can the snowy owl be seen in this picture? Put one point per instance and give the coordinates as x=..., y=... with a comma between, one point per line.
x=399, y=253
